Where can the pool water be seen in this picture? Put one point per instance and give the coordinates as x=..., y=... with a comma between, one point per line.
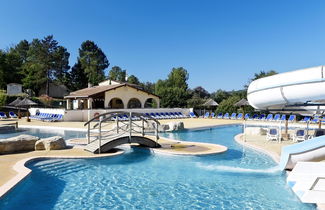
x=140, y=179
x=44, y=133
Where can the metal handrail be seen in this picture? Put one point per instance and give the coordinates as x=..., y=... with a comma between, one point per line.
x=138, y=114
x=126, y=127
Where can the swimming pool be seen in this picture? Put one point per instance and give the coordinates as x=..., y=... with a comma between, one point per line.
x=140, y=179
x=44, y=133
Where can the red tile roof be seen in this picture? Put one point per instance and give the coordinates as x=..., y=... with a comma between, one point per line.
x=88, y=92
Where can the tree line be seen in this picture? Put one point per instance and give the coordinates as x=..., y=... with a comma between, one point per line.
x=40, y=62
x=37, y=63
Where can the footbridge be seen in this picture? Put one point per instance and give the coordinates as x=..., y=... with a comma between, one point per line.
x=112, y=129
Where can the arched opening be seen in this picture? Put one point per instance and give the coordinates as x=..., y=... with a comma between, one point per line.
x=116, y=103
x=134, y=103
x=150, y=103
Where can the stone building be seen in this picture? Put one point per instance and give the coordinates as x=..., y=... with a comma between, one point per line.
x=112, y=95
x=14, y=89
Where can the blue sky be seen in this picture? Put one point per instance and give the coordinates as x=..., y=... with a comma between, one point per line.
x=221, y=43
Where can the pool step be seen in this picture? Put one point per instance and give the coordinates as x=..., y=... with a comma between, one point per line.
x=307, y=180
x=61, y=168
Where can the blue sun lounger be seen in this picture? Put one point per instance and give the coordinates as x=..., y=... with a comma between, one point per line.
x=159, y=116
x=269, y=117
x=262, y=117
x=292, y=118
x=254, y=117
x=172, y=115
x=240, y=116
x=233, y=116
x=247, y=116
x=306, y=119
x=12, y=115
x=163, y=115
x=316, y=119
x=192, y=115
x=3, y=115
x=178, y=114
x=206, y=115
x=153, y=115
x=226, y=116
x=276, y=117
x=220, y=115
x=283, y=117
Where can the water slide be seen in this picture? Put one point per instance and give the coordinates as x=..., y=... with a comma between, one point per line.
x=290, y=88
x=309, y=150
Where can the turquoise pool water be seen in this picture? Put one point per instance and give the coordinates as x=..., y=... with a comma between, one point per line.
x=238, y=179
x=44, y=133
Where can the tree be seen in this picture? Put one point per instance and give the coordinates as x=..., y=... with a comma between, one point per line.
x=133, y=80
x=227, y=105
x=16, y=58
x=3, y=67
x=220, y=95
x=46, y=61
x=62, y=66
x=78, y=78
x=259, y=75
x=93, y=61
x=117, y=74
x=148, y=86
x=173, y=90
x=200, y=92
x=11, y=62
x=195, y=101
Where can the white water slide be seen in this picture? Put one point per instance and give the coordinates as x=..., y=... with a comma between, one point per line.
x=301, y=91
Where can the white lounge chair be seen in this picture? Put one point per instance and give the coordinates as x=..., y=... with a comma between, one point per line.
x=300, y=135
x=272, y=134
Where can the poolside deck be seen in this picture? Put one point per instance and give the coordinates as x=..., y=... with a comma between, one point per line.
x=7, y=162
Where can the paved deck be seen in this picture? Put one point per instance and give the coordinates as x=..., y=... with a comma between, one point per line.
x=7, y=162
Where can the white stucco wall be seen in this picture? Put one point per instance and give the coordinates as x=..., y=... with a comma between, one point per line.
x=126, y=93
x=85, y=115
x=33, y=111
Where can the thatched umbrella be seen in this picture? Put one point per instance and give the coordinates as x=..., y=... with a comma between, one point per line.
x=15, y=102
x=242, y=102
x=26, y=103
x=210, y=104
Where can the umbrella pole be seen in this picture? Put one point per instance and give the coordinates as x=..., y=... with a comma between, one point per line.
x=28, y=120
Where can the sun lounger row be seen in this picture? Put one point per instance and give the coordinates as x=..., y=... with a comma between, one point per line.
x=156, y=115
x=166, y=115
x=47, y=117
x=316, y=119
x=298, y=135
x=275, y=118
x=4, y=116
x=262, y=117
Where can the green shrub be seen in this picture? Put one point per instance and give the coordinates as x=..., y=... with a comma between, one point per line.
x=3, y=98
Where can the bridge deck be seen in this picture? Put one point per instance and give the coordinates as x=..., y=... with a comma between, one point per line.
x=107, y=140
x=114, y=140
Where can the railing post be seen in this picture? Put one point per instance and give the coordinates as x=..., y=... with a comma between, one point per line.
x=117, y=128
x=88, y=133
x=156, y=132
x=130, y=127
x=142, y=127
x=100, y=136
x=244, y=130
